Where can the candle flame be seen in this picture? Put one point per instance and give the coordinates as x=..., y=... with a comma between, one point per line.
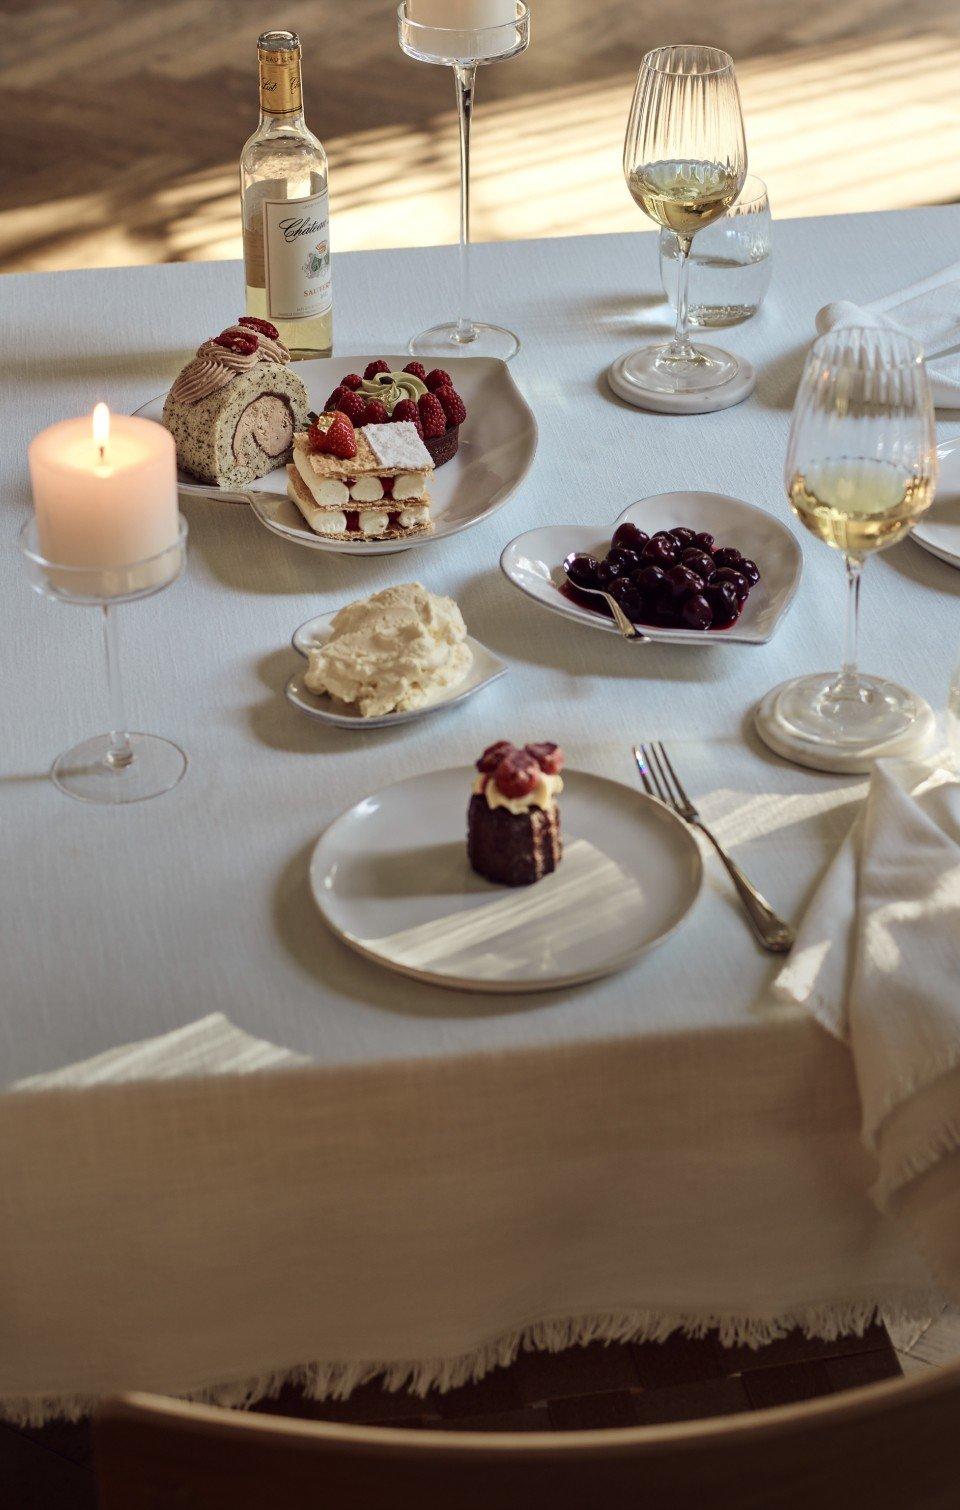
x=101, y=428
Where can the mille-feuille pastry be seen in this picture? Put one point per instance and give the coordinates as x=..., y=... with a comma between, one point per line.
x=235, y=407
x=513, y=822
x=365, y=484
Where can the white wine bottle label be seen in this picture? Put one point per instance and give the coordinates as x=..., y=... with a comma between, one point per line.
x=296, y=251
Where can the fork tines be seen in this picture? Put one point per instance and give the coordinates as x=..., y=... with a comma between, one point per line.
x=659, y=778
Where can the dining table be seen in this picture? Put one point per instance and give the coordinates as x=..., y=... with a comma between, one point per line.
x=423, y=1179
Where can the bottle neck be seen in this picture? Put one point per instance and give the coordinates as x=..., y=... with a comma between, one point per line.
x=281, y=100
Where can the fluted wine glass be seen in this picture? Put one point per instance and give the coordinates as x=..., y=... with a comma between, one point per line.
x=861, y=469
x=685, y=160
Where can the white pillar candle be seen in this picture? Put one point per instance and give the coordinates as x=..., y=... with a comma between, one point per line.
x=105, y=492
x=466, y=15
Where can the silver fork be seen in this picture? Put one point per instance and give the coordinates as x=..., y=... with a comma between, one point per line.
x=661, y=781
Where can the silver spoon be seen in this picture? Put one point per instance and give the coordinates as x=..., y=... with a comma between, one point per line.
x=626, y=626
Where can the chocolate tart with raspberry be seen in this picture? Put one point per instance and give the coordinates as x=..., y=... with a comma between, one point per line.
x=513, y=823
x=425, y=399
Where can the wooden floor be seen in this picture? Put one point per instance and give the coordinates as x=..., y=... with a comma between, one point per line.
x=122, y=122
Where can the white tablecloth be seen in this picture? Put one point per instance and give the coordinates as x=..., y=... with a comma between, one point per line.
x=741, y=1146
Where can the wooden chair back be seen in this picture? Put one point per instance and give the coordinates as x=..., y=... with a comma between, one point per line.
x=888, y=1446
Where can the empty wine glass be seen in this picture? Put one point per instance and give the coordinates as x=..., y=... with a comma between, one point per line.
x=685, y=160
x=861, y=469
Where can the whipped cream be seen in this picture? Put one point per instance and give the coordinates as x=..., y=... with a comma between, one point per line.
x=394, y=651
x=214, y=366
x=544, y=794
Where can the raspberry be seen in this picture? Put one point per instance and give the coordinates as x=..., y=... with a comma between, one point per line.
x=516, y=775
x=417, y=370
x=438, y=379
x=351, y=404
x=453, y=406
x=406, y=409
x=372, y=368
x=352, y=380
x=549, y=757
x=493, y=755
x=432, y=417
x=333, y=402
x=340, y=439
x=263, y=326
x=241, y=346
x=374, y=413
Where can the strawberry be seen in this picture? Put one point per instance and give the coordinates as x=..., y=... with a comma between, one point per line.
x=374, y=413
x=432, y=417
x=517, y=774
x=438, y=379
x=263, y=326
x=453, y=406
x=372, y=368
x=549, y=757
x=241, y=346
x=351, y=404
x=341, y=441
x=493, y=755
x=417, y=370
x=406, y=410
x=352, y=380
x=317, y=437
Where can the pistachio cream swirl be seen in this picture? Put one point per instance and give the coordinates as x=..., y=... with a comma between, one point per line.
x=391, y=387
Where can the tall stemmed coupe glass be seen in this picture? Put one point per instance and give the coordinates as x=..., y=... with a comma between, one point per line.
x=861, y=469
x=684, y=159
x=489, y=31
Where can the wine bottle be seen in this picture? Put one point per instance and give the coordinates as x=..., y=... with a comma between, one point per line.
x=285, y=208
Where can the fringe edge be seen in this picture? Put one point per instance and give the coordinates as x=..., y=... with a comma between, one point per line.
x=320, y=1381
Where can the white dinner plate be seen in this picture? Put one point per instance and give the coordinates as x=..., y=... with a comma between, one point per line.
x=939, y=529
x=392, y=879
x=485, y=668
x=498, y=442
x=533, y=562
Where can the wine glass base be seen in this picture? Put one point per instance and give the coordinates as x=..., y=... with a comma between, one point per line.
x=85, y=773
x=806, y=722
x=446, y=341
x=638, y=380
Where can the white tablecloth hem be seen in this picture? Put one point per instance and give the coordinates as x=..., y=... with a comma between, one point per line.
x=321, y=1381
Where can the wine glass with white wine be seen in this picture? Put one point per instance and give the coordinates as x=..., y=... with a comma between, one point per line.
x=685, y=160
x=861, y=469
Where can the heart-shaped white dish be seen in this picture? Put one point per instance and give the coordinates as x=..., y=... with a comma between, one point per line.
x=532, y=562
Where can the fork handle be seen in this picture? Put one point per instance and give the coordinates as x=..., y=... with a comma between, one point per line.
x=773, y=933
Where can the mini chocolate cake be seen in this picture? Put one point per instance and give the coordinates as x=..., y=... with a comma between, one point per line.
x=413, y=395
x=443, y=447
x=513, y=825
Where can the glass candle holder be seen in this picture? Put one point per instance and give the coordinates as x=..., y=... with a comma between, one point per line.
x=121, y=766
x=730, y=261
x=464, y=49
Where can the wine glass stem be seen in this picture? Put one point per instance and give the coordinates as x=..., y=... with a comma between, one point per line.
x=120, y=753
x=466, y=75
x=846, y=683
x=680, y=346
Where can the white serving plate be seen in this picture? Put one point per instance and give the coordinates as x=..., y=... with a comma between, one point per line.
x=391, y=878
x=498, y=442
x=486, y=668
x=939, y=529
x=533, y=562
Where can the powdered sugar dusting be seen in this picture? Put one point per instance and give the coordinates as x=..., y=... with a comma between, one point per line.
x=399, y=447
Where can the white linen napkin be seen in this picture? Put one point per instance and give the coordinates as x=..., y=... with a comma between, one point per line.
x=209, y=1046
x=877, y=962
x=930, y=312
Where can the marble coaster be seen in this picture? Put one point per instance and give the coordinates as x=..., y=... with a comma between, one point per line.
x=733, y=391
x=783, y=741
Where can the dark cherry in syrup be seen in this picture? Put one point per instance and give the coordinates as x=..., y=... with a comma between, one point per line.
x=677, y=578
